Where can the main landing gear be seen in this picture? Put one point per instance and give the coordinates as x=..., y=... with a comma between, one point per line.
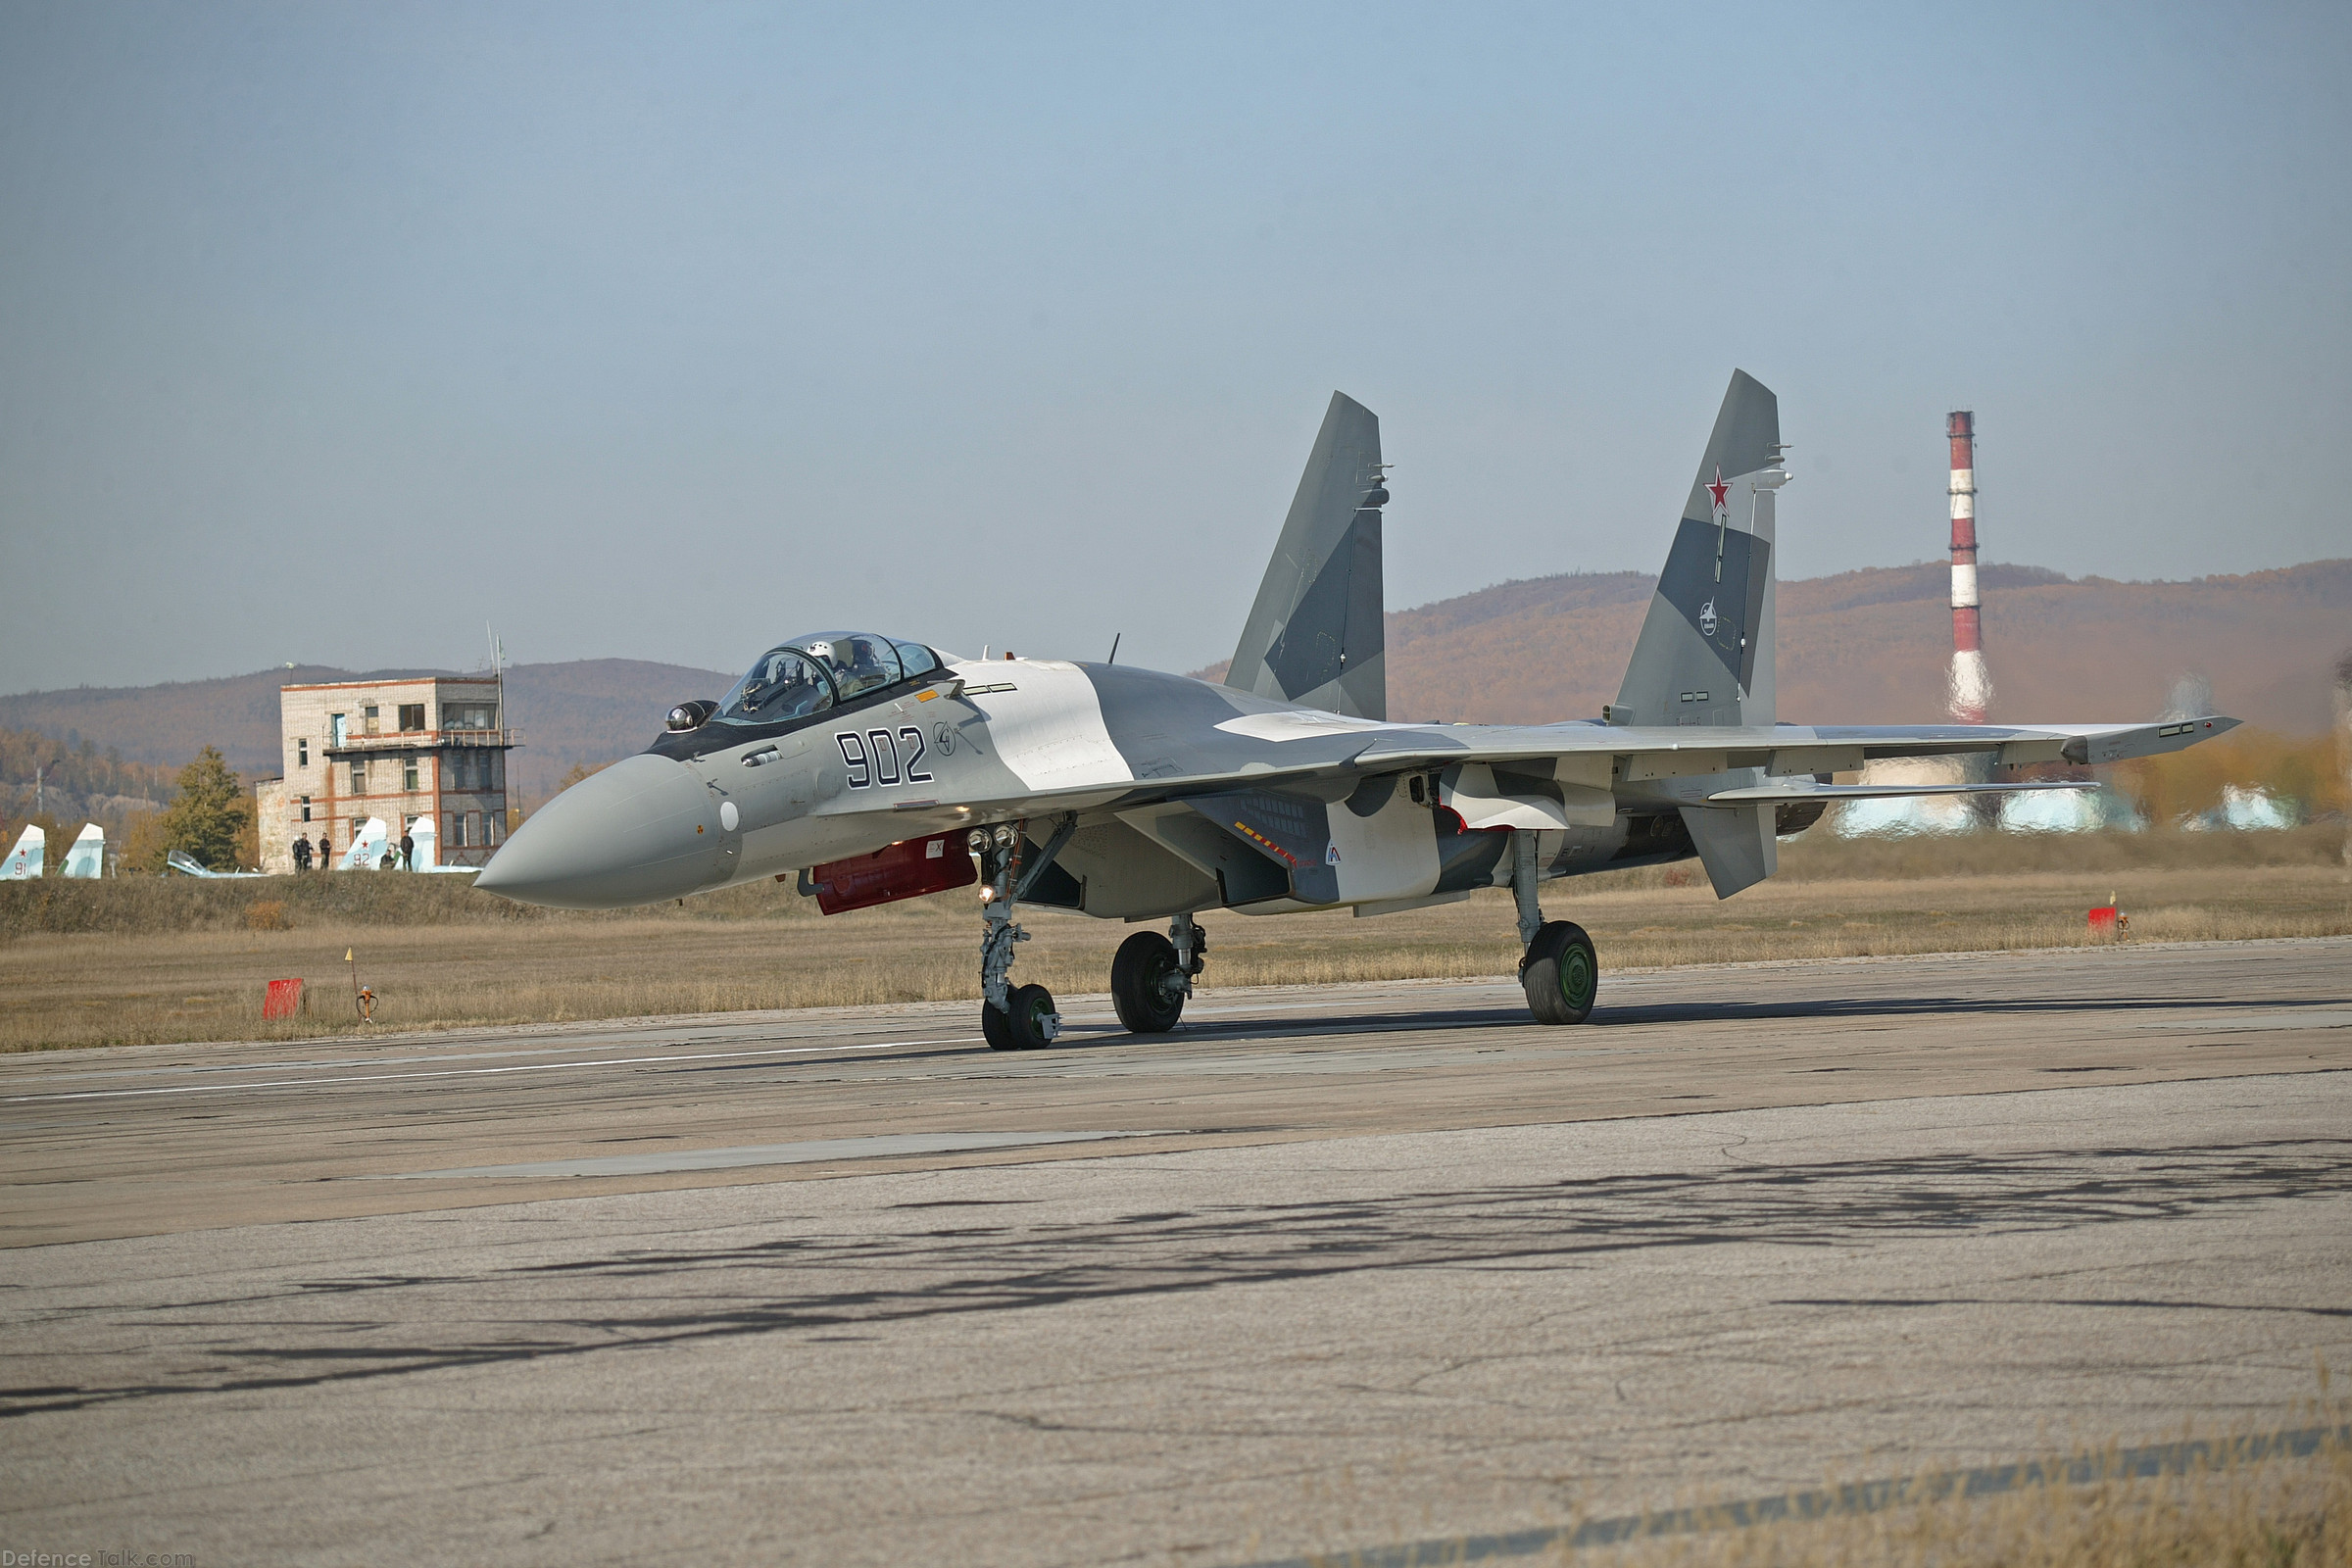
x=1149, y=978
x=1560, y=972
x=1153, y=975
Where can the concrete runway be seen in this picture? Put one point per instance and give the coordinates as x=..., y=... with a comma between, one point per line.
x=1329, y=1268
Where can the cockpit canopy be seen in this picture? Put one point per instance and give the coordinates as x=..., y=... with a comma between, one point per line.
x=804, y=675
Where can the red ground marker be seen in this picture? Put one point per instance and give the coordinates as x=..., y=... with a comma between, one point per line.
x=283, y=1001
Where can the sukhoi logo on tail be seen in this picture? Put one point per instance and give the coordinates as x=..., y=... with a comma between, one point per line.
x=1706, y=619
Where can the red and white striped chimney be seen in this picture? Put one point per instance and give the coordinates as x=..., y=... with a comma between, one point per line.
x=1971, y=682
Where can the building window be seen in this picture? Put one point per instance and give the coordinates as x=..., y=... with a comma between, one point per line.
x=494, y=771
x=456, y=830
x=412, y=716
x=302, y=752
x=359, y=775
x=469, y=715
x=306, y=808
x=408, y=774
x=474, y=825
x=370, y=720
x=489, y=830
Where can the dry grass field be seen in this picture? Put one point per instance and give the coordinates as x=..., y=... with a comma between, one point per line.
x=149, y=960
x=2283, y=1513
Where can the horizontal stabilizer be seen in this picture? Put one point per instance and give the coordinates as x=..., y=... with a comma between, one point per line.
x=186, y=864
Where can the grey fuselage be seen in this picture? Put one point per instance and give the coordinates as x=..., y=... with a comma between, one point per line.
x=1111, y=747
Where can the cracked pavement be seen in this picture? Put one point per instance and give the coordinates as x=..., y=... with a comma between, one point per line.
x=1335, y=1329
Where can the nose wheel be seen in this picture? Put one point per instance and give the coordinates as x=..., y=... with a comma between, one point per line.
x=1011, y=1017
x=1028, y=1023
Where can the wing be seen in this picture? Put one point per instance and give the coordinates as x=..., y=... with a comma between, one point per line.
x=1637, y=754
x=1589, y=765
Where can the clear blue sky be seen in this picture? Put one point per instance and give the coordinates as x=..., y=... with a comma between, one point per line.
x=328, y=332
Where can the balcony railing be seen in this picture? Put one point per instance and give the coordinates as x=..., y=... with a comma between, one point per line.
x=420, y=740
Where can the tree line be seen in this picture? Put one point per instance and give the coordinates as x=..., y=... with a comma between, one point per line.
x=207, y=811
x=77, y=766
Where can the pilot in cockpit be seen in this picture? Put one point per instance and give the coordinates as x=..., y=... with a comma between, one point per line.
x=859, y=663
x=783, y=686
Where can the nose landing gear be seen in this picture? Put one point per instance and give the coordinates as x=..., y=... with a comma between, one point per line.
x=1011, y=1017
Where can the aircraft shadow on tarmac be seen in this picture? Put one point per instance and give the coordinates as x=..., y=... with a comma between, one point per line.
x=853, y=1284
x=1829, y=1010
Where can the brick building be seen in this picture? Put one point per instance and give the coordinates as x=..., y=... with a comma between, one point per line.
x=435, y=746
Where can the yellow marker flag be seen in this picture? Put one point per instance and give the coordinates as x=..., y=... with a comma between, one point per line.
x=346, y=955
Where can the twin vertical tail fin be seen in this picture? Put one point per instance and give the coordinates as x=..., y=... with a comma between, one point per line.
x=1705, y=653
x=1707, y=648
x=1313, y=636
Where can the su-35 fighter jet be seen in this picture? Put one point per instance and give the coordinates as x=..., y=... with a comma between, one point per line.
x=877, y=769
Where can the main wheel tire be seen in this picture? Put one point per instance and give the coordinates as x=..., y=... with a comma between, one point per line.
x=1032, y=1006
x=1139, y=984
x=1561, y=975
x=997, y=1026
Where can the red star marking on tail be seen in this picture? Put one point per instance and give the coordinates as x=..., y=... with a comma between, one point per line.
x=1717, y=489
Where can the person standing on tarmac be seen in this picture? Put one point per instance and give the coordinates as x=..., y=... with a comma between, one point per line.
x=327, y=851
x=408, y=851
x=302, y=854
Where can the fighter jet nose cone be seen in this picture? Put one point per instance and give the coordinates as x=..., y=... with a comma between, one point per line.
x=645, y=828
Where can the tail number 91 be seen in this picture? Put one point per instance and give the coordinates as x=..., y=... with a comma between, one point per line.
x=874, y=757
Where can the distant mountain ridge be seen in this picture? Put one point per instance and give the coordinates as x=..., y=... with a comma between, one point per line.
x=1871, y=646
x=1860, y=647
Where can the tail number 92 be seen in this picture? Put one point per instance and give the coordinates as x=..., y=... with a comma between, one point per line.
x=873, y=758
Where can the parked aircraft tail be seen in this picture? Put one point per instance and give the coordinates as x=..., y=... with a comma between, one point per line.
x=367, y=852
x=1313, y=636
x=86, y=859
x=24, y=862
x=1705, y=657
